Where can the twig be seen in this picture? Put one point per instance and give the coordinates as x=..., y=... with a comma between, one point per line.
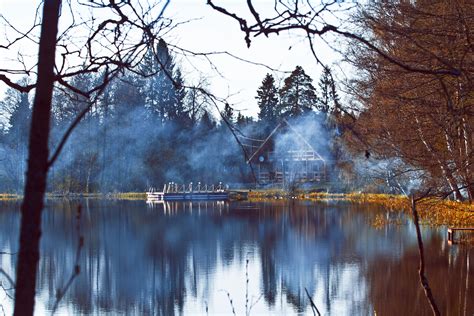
x=6, y=291
x=313, y=306
x=255, y=303
x=421, y=269
x=9, y=278
x=230, y=302
x=247, y=288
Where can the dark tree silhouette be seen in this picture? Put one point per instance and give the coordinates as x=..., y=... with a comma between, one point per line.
x=298, y=95
x=32, y=206
x=328, y=98
x=267, y=96
x=113, y=31
x=228, y=113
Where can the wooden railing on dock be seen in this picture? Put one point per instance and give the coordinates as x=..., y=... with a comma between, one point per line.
x=453, y=230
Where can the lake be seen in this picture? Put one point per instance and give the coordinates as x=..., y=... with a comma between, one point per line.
x=260, y=258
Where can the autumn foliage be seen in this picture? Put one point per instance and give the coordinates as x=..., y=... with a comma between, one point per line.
x=418, y=105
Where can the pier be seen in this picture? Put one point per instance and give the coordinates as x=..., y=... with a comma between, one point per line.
x=453, y=230
x=175, y=192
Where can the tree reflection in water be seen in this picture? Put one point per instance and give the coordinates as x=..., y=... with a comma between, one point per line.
x=176, y=258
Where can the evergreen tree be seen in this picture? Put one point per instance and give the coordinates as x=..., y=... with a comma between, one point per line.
x=128, y=95
x=164, y=87
x=240, y=119
x=228, y=113
x=298, y=95
x=328, y=100
x=197, y=101
x=150, y=68
x=243, y=121
x=267, y=96
x=16, y=139
x=19, y=120
x=179, y=113
x=206, y=123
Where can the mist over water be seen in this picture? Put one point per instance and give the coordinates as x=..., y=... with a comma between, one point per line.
x=178, y=258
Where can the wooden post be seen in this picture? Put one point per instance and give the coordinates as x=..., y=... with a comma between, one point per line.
x=450, y=235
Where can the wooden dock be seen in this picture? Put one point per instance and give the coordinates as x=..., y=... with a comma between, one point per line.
x=175, y=192
x=453, y=230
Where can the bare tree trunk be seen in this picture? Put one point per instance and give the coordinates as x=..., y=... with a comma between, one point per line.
x=32, y=206
x=442, y=164
x=466, y=149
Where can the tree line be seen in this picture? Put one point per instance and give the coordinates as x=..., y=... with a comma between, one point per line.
x=147, y=130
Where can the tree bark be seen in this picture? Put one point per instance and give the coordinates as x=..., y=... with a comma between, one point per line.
x=36, y=176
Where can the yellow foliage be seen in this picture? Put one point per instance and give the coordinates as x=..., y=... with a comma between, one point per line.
x=129, y=196
x=9, y=197
x=432, y=211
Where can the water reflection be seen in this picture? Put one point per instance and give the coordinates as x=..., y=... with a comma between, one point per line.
x=181, y=258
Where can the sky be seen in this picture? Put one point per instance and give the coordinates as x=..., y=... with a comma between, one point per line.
x=210, y=31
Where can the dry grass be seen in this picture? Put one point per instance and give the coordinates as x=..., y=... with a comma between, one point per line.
x=128, y=196
x=432, y=211
x=9, y=197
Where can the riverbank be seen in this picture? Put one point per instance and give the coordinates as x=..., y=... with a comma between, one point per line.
x=432, y=211
x=9, y=197
x=118, y=196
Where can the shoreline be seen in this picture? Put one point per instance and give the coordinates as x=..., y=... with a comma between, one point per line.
x=432, y=211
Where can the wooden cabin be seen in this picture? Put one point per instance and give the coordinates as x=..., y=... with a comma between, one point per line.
x=285, y=158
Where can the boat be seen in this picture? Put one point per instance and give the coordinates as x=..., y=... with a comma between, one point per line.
x=175, y=192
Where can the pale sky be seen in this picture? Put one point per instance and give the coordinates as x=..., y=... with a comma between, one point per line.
x=212, y=32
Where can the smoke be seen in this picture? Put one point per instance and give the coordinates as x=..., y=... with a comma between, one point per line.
x=308, y=131
x=386, y=175
x=133, y=152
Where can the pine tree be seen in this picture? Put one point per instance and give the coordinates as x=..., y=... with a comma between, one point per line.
x=67, y=106
x=17, y=137
x=298, y=95
x=328, y=100
x=228, y=113
x=19, y=120
x=179, y=113
x=206, y=123
x=240, y=119
x=166, y=91
x=128, y=95
x=158, y=89
x=267, y=96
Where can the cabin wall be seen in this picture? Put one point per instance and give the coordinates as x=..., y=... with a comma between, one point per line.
x=282, y=173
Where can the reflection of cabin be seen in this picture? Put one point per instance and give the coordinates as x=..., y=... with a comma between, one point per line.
x=286, y=158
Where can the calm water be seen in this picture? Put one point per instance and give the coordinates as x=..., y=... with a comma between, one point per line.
x=184, y=258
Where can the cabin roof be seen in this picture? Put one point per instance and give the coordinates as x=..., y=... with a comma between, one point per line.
x=284, y=123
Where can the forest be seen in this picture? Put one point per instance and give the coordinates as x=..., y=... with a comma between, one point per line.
x=106, y=107
x=404, y=121
x=145, y=131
